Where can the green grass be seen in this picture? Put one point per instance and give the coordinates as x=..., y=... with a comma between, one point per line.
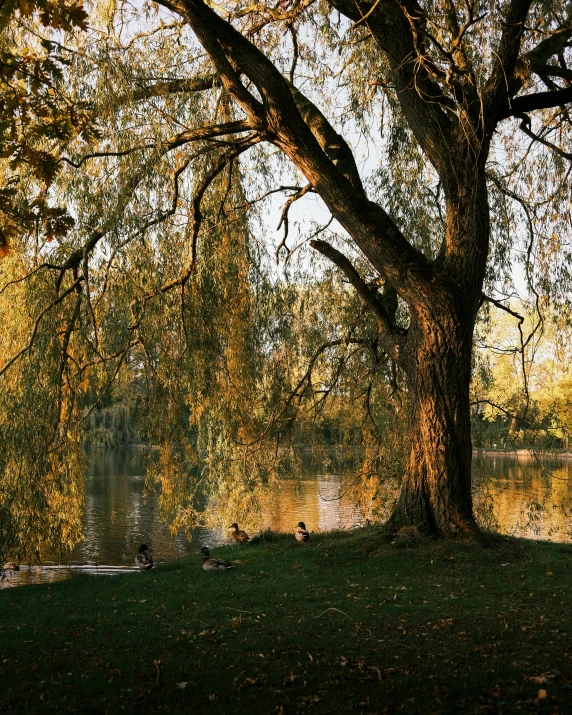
x=343, y=624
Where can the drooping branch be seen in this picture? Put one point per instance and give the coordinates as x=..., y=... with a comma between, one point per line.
x=370, y=296
x=525, y=127
x=523, y=342
x=512, y=415
x=284, y=218
x=208, y=131
x=132, y=182
x=101, y=359
x=298, y=392
x=37, y=322
x=504, y=307
x=207, y=180
x=65, y=357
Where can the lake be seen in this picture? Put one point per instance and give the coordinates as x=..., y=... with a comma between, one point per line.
x=515, y=493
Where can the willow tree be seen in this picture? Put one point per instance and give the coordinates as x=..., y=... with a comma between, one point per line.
x=473, y=173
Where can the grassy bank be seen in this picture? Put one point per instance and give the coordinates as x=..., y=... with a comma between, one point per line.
x=344, y=624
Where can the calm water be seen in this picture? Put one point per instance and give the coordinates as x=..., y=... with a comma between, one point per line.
x=523, y=495
x=513, y=493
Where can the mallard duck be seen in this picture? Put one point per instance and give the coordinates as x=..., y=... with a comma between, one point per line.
x=144, y=559
x=214, y=564
x=301, y=533
x=238, y=536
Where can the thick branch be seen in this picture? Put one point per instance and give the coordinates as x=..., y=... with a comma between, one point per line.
x=538, y=100
x=505, y=57
x=329, y=140
x=174, y=86
x=397, y=28
x=534, y=61
x=547, y=48
x=279, y=120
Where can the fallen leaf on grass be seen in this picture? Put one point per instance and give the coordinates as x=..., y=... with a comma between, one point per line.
x=542, y=694
x=249, y=681
x=363, y=666
x=543, y=678
x=182, y=685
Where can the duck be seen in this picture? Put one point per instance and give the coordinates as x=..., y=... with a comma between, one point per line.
x=214, y=564
x=238, y=536
x=144, y=559
x=301, y=533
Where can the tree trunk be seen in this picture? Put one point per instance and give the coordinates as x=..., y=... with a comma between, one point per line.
x=436, y=490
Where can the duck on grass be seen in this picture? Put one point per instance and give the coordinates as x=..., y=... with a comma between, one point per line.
x=301, y=533
x=212, y=564
x=238, y=536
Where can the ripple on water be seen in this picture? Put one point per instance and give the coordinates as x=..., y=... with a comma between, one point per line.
x=30, y=575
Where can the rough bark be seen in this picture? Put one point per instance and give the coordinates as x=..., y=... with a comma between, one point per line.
x=436, y=358
x=436, y=488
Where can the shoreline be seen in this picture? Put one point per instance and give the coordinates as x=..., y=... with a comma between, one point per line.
x=521, y=452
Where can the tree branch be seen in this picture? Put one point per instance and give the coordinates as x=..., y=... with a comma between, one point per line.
x=334, y=145
x=278, y=120
x=398, y=28
x=284, y=218
x=37, y=322
x=497, y=86
x=207, y=180
x=207, y=131
x=370, y=296
x=525, y=127
x=534, y=61
x=531, y=102
x=174, y=86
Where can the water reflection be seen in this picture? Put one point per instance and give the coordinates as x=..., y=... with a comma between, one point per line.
x=524, y=495
x=514, y=493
